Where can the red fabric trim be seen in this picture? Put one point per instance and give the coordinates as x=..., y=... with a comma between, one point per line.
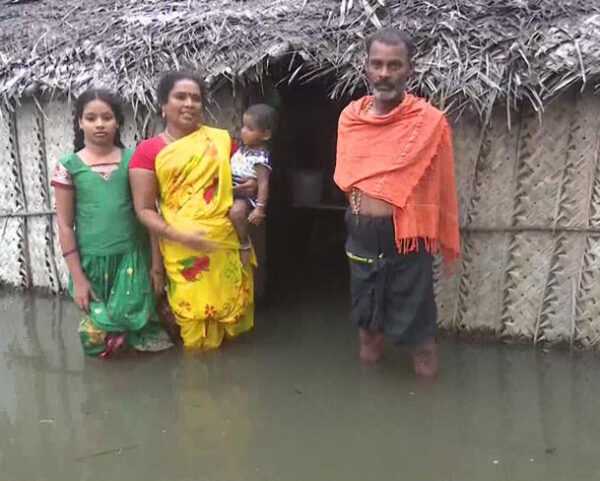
x=102, y=164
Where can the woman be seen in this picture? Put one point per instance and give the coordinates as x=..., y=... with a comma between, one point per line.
x=186, y=169
x=105, y=248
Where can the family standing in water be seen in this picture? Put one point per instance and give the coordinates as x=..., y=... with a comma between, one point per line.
x=129, y=219
x=170, y=219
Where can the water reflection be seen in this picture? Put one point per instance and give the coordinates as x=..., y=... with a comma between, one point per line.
x=289, y=402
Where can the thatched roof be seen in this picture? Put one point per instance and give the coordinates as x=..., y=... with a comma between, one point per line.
x=471, y=52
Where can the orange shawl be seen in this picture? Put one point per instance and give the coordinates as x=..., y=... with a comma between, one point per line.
x=404, y=158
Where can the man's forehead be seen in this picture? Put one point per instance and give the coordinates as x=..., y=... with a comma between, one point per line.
x=389, y=50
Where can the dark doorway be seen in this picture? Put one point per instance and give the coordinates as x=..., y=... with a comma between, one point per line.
x=305, y=230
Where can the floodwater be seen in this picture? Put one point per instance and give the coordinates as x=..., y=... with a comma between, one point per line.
x=288, y=402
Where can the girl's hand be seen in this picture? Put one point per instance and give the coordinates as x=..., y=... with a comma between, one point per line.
x=257, y=216
x=82, y=291
x=247, y=188
x=157, y=276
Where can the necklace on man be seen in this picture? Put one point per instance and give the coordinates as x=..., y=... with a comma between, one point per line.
x=355, y=203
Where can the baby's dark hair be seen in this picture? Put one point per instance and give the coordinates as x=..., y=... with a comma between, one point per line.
x=169, y=79
x=85, y=98
x=264, y=115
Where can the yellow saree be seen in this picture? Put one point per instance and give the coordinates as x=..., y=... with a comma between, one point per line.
x=211, y=293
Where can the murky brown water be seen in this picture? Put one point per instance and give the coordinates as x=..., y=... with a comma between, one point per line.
x=289, y=402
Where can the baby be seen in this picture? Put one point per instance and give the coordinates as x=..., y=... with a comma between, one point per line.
x=252, y=161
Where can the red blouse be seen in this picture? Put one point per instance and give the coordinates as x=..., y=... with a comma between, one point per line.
x=145, y=154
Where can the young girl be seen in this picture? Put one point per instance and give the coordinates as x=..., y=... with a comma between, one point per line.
x=252, y=161
x=105, y=248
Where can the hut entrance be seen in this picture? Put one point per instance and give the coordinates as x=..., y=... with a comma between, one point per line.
x=305, y=232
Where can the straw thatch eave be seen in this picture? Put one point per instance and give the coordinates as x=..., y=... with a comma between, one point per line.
x=472, y=53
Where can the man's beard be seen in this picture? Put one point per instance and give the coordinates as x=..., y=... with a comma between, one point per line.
x=387, y=92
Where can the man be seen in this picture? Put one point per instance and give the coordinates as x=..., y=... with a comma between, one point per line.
x=395, y=163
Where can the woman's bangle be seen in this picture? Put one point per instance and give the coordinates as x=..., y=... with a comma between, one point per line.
x=68, y=253
x=246, y=247
x=259, y=204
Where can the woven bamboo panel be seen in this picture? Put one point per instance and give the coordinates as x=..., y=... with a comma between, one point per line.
x=594, y=207
x=466, y=139
x=12, y=268
x=555, y=164
x=530, y=257
x=491, y=195
x=587, y=315
x=586, y=328
x=579, y=169
x=58, y=141
x=31, y=158
x=556, y=316
x=479, y=296
x=543, y=150
x=58, y=133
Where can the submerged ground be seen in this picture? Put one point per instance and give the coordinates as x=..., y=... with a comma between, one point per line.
x=288, y=402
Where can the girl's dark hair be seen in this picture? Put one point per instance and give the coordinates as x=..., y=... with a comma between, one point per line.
x=169, y=79
x=108, y=98
x=264, y=115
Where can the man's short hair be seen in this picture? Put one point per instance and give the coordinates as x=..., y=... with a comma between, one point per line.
x=392, y=36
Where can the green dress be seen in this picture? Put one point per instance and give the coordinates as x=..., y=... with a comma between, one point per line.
x=114, y=253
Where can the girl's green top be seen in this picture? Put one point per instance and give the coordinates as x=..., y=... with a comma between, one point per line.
x=105, y=220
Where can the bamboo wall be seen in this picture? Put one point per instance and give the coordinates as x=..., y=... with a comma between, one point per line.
x=529, y=200
x=530, y=211
x=32, y=139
